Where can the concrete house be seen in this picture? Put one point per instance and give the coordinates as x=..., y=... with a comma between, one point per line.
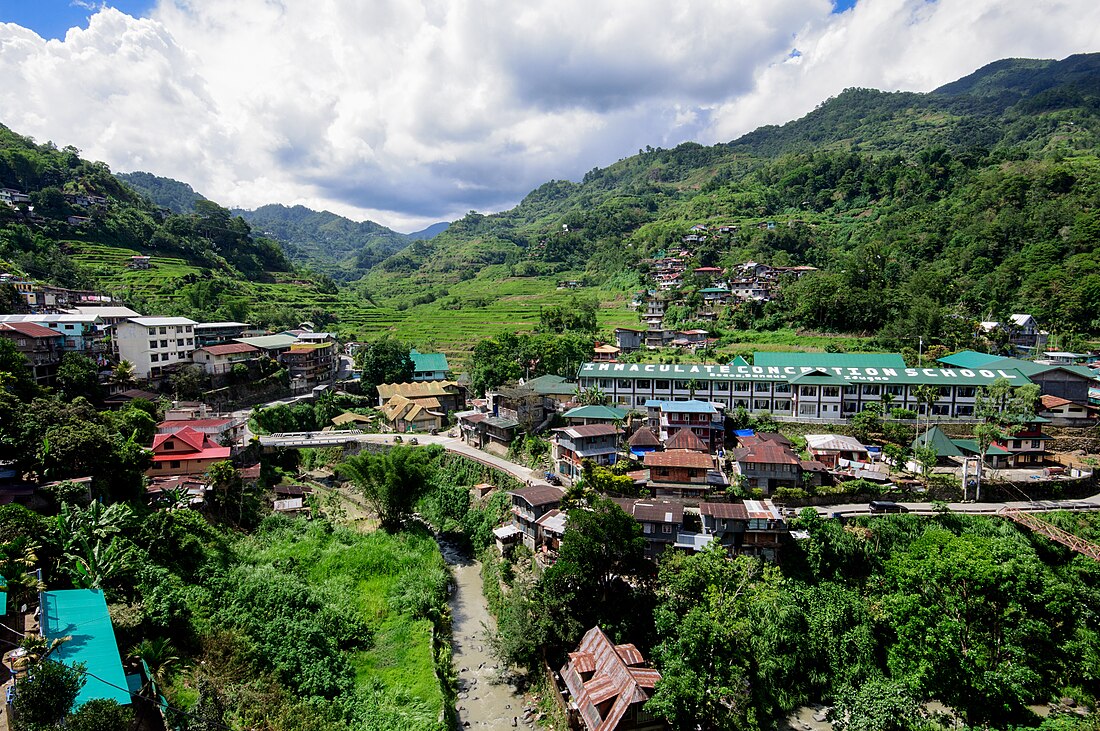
x=155, y=345
x=572, y=445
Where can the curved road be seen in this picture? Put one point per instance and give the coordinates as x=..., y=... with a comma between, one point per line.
x=526, y=475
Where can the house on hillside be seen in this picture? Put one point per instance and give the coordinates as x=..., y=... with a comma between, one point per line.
x=218, y=360
x=1063, y=412
x=749, y=528
x=185, y=452
x=41, y=346
x=642, y=442
x=405, y=415
x=594, y=414
x=681, y=472
x=766, y=465
x=572, y=445
x=666, y=418
x=221, y=429
x=836, y=450
x=661, y=521
x=529, y=504
x=155, y=345
x=443, y=395
x=215, y=333
x=629, y=339
x=608, y=686
x=429, y=366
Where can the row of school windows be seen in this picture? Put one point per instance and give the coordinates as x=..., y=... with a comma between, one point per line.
x=867, y=389
x=783, y=406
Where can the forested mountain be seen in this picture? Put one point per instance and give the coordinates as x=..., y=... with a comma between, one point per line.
x=925, y=211
x=165, y=192
x=337, y=246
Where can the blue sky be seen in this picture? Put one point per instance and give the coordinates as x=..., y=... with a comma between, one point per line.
x=51, y=18
x=839, y=6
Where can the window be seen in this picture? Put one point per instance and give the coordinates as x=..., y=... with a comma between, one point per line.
x=830, y=391
x=647, y=528
x=190, y=341
x=179, y=343
x=807, y=390
x=964, y=411
x=940, y=409
x=152, y=344
x=741, y=386
x=681, y=385
x=894, y=390
x=158, y=465
x=721, y=386
x=965, y=392
x=740, y=403
x=807, y=409
x=870, y=389
x=662, y=472
x=606, y=383
x=849, y=407
x=623, y=382
x=762, y=387
x=170, y=444
x=761, y=404
x=175, y=464
x=782, y=405
x=666, y=528
x=660, y=385
x=640, y=400
x=164, y=343
x=782, y=388
x=163, y=331
x=154, y=358
x=944, y=391
x=642, y=385
x=851, y=390
x=1036, y=443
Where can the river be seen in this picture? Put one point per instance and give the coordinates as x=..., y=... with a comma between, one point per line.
x=483, y=701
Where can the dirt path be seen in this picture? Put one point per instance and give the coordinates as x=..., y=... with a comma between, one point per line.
x=483, y=702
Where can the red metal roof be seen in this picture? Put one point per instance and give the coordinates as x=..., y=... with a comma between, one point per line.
x=613, y=680
x=1053, y=402
x=644, y=437
x=178, y=424
x=218, y=453
x=734, y=511
x=686, y=439
x=764, y=453
x=678, y=458
x=590, y=430
x=30, y=330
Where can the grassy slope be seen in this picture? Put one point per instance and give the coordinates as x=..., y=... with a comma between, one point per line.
x=368, y=574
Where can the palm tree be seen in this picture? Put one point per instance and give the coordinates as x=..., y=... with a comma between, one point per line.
x=160, y=658
x=123, y=373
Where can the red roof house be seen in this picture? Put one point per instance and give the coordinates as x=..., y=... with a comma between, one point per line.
x=185, y=452
x=608, y=685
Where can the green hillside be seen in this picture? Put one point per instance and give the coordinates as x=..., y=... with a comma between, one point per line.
x=326, y=242
x=925, y=211
x=167, y=193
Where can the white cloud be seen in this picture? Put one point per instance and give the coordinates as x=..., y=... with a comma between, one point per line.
x=415, y=111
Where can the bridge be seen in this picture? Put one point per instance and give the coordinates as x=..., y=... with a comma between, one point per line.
x=1038, y=525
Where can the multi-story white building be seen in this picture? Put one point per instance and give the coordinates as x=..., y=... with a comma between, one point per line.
x=790, y=387
x=154, y=344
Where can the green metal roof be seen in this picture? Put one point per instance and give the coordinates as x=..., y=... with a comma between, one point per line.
x=714, y=290
x=607, y=413
x=3, y=595
x=935, y=438
x=969, y=359
x=830, y=360
x=269, y=342
x=552, y=385
x=428, y=362
x=818, y=378
x=974, y=359
x=971, y=446
x=82, y=614
x=739, y=361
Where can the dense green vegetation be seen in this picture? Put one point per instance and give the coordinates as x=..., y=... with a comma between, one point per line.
x=337, y=246
x=926, y=211
x=875, y=618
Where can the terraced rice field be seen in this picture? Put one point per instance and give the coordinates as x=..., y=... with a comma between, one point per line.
x=109, y=265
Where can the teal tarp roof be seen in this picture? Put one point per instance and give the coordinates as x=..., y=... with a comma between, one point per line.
x=428, y=362
x=3, y=595
x=269, y=342
x=82, y=614
x=552, y=385
x=608, y=413
x=974, y=359
x=829, y=360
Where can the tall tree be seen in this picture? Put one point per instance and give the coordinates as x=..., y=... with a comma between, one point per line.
x=385, y=360
x=392, y=481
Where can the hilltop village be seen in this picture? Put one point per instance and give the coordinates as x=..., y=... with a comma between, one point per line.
x=699, y=456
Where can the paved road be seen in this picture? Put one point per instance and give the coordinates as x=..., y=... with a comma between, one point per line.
x=451, y=444
x=1089, y=503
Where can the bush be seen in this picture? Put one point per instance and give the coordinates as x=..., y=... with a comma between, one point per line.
x=790, y=493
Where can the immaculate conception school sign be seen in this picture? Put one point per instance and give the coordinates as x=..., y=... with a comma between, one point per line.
x=792, y=374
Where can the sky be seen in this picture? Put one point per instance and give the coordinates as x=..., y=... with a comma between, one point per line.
x=408, y=112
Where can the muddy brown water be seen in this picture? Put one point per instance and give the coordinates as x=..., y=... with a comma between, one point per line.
x=484, y=701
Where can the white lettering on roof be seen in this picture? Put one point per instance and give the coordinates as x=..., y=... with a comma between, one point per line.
x=1005, y=374
x=889, y=372
x=634, y=368
x=773, y=369
x=695, y=369
x=987, y=374
x=790, y=370
x=911, y=372
x=742, y=369
x=930, y=372
x=967, y=373
x=758, y=369
x=723, y=369
x=648, y=368
x=947, y=372
x=664, y=368
x=603, y=366
x=619, y=366
x=871, y=371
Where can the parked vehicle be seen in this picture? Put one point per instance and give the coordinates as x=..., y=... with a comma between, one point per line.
x=414, y=440
x=885, y=506
x=397, y=439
